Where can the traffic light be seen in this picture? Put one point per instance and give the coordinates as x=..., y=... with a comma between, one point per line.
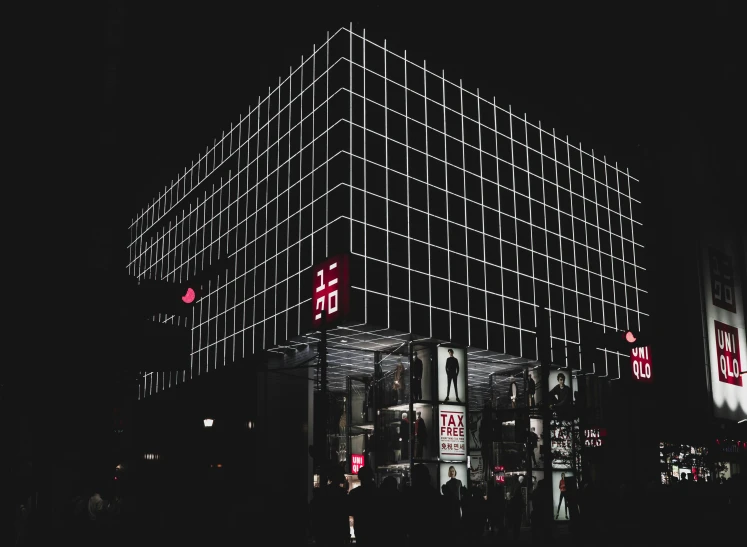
x=594, y=336
x=154, y=296
x=625, y=340
x=594, y=339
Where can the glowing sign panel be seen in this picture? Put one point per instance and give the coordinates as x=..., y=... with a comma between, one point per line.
x=727, y=353
x=331, y=290
x=452, y=434
x=356, y=462
x=640, y=359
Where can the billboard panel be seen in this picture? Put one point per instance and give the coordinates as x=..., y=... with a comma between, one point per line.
x=451, y=374
x=725, y=325
x=452, y=433
x=452, y=478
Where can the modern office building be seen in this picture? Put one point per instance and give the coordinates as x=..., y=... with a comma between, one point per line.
x=458, y=220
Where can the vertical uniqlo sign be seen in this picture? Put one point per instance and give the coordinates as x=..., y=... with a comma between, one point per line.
x=356, y=462
x=722, y=280
x=727, y=354
x=640, y=359
x=331, y=290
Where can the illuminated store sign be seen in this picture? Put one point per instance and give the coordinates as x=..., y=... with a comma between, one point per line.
x=725, y=325
x=727, y=354
x=640, y=359
x=331, y=290
x=452, y=436
x=594, y=437
x=356, y=462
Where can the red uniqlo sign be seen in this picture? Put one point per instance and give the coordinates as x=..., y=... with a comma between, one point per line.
x=727, y=353
x=640, y=359
x=331, y=290
x=356, y=462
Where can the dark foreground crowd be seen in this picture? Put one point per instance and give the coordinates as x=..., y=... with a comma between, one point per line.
x=685, y=513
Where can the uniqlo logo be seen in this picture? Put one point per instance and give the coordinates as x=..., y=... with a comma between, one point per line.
x=722, y=280
x=331, y=288
x=727, y=354
x=357, y=461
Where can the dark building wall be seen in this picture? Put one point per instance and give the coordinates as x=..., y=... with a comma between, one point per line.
x=280, y=483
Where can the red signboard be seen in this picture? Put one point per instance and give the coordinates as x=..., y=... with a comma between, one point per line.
x=331, y=291
x=640, y=359
x=356, y=462
x=727, y=353
x=594, y=437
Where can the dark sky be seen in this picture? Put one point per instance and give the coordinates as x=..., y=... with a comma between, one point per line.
x=617, y=79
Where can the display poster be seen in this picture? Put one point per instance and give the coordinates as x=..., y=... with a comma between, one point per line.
x=562, y=481
x=725, y=324
x=563, y=391
x=452, y=477
x=476, y=468
x=535, y=442
x=421, y=369
x=565, y=441
x=452, y=433
x=452, y=372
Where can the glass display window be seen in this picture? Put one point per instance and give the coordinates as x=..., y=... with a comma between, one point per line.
x=394, y=435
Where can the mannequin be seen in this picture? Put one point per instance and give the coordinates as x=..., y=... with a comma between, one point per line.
x=404, y=436
x=421, y=435
x=531, y=388
x=399, y=381
x=417, y=377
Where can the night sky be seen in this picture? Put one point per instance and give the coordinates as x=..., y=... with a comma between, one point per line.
x=657, y=90
x=626, y=81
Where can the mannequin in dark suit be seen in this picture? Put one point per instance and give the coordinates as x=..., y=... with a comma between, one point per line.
x=531, y=388
x=417, y=376
x=421, y=436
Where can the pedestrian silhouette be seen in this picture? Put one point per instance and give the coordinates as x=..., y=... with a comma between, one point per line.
x=516, y=509
x=334, y=529
x=390, y=502
x=497, y=508
x=475, y=515
x=425, y=508
x=362, y=501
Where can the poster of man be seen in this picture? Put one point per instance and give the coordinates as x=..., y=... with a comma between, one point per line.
x=452, y=373
x=562, y=393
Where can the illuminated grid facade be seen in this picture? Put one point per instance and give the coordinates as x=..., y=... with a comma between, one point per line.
x=457, y=214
